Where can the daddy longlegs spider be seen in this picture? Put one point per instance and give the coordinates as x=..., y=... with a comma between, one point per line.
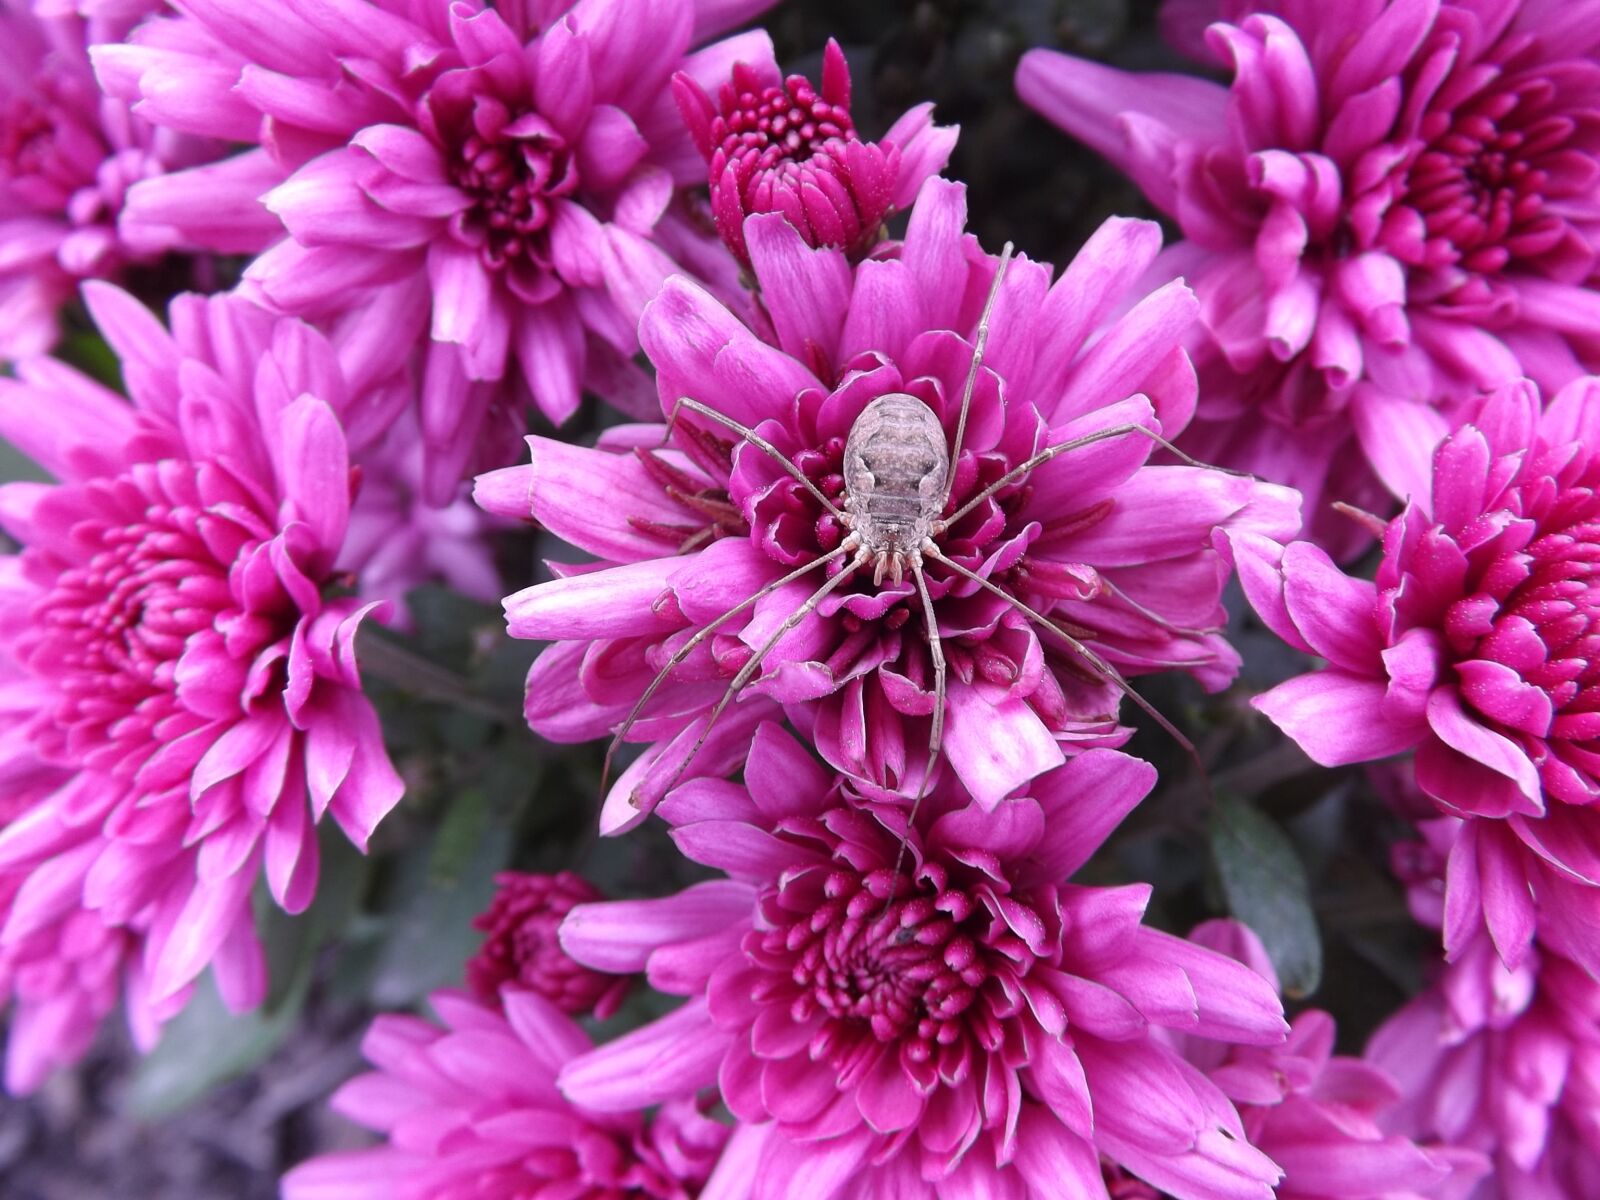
x=897, y=484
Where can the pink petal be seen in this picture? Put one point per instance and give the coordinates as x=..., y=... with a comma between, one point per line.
x=671, y=1057
x=995, y=746
x=1330, y=714
x=619, y=937
x=616, y=602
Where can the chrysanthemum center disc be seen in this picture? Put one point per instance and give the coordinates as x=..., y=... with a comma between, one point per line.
x=27, y=136
x=778, y=125
x=141, y=582
x=514, y=168
x=919, y=974
x=1537, y=619
x=1493, y=181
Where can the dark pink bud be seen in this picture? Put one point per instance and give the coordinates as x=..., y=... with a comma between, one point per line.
x=521, y=947
x=784, y=146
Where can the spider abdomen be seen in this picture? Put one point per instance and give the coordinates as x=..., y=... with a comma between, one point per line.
x=894, y=472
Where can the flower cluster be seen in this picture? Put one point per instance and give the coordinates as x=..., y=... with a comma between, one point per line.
x=690, y=523
x=1475, y=647
x=1387, y=209
x=68, y=158
x=974, y=1022
x=498, y=189
x=181, y=678
x=1499, y=1060
x=1324, y=1118
x=862, y=593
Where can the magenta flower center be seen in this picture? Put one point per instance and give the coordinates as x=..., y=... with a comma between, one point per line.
x=145, y=578
x=515, y=171
x=778, y=128
x=929, y=978
x=26, y=138
x=1537, y=612
x=908, y=974
x=1507, y=160
x=1484, y=182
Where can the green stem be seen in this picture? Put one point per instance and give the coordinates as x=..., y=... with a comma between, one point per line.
x=384, y=658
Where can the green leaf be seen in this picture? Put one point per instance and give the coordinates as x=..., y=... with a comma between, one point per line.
x=15, y=466
x=1264, y=884
x=89, y=352
x=206, y=1045
x=437, y=892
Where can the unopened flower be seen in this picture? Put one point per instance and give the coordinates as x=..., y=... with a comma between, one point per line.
x=1382, y=214
x=689, y=524
x=1479, y=647
x=179, y=661
x=968, y=1025
x=785, y=146
x=1320, y=1116
x=508, y=188
x=1504, y=1061
x=471, y=1110
x=68, y=156
x=521, y=947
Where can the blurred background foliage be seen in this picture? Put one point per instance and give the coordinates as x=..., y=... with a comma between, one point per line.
x=226, y=1103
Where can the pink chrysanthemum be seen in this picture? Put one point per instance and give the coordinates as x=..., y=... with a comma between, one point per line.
x=1390, y=207
x=1479, y=646
x=179, y=660
x=1318, y=1115
x=471, y=1110
x=971, y=1025
x=781, y=145
x=690, y=524
x=505, y=177
x=67, y=159
x=1506, y=1062
x=521, y=947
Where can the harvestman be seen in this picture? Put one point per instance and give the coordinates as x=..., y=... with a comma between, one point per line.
x=896, y=482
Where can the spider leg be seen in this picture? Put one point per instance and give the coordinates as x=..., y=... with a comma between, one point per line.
x=936, y=734
x=979, y=343
x=749, y=669
x=760, y=443
x=1107, y=671
x=1150, y=614
x=701, y=635
x=1049, y=452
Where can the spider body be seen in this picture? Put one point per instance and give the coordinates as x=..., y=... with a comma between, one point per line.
x=895, y=476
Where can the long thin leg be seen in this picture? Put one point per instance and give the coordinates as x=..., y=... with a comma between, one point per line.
x=979, y=343
x=750, y=668
x=760, y=443
x=1089, y=656
x=1088, y=439
x=936, y=734
x=1151, y=614
x=701, y=635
